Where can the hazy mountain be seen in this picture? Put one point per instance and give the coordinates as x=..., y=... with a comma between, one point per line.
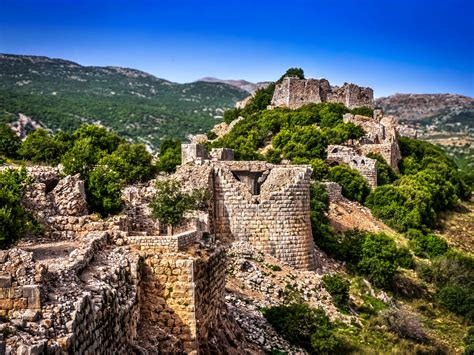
x=241, y=84
x=60, y=94
x=439, y=109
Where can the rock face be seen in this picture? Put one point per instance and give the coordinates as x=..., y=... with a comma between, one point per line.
x=294, y=92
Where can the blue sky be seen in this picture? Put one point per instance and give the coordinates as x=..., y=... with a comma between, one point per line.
x=390, y=45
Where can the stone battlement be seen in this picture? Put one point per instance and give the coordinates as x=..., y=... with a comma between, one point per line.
x=294, y=92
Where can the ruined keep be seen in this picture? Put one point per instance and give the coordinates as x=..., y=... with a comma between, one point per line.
x=265, y=204
x=293, y=93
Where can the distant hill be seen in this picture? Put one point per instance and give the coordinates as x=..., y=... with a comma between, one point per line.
x=448, y=111
x=241, y=84
x=60, y=94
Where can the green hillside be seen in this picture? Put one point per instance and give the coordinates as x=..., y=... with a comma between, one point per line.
x=60, y=94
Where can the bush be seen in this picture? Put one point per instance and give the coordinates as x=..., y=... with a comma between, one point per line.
x=170, y=203
x=81, y=158
x=405, y=324
x=354, y=185
x=229, y=116
x=379, y=259
x=170, y=155
x=319, y=209
x=453, y=274
x=363, y=111
x=211, y=135
x=426, y=245
x=9, y=142
x=385, y=174
x=304, y=326
x=338, y=288
x=458, y=299
x=103, y=189
x=100, y=137
x=14, y=220
x=469, y=342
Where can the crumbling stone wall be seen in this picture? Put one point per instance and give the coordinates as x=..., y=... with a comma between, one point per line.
x=293, y=92
x=381, y=136
x=277, y=220
x=181, y=295
x=347, y=155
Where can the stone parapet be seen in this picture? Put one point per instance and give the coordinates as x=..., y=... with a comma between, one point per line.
x=172, y=243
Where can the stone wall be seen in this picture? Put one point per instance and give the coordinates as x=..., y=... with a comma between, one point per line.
x=172, y=243
x=181, y=295
x=276, y=220
x=347, y=155
x=293, y=92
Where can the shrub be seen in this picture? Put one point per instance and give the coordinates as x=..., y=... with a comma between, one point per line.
x=14, y=220
x=81, y=158
x=304, y=326
x=338, y=288
x=469, y=342
x=103, y=189
x=458, y=299
x=211, y=135
x=405, y=324
x=404, y=258
x=385, y=174
x=453, y=274
x=170, y=155
x=379, y=259
x=170, y=203
x=426, y=245
x=292, y=72
x=319, y=209
x=363, y=111
x=9, y=142
x=100, y=137
x=229, y=116
x=354, y=185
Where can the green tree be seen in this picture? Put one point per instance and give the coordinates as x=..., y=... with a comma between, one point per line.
x=40, y=147
x=82, y=157
x=292, y=72
x=103, y=190
x=304, y=326
x=170, y=202
x=14, y=220
x=9, y=142
x=132, y=162
x=354, y=185
x=385, y=174
x=100, y=137
x=379, y=259
x=170, y=155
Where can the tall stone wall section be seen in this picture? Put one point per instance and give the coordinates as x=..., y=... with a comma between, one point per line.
x=182, y=295
x=293, y=92
x=277, y=221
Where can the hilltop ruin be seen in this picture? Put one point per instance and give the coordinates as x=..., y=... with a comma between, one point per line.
x=293, y=93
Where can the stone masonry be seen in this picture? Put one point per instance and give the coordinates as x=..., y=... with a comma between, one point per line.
x=293, y=93
x=341, y=154
x=267, y=205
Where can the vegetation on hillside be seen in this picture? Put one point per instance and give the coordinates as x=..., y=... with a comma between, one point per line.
x=63, y=95
x=411, y=201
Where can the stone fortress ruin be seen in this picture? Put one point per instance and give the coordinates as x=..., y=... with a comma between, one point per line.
x=123, y=285
x=293, y=92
